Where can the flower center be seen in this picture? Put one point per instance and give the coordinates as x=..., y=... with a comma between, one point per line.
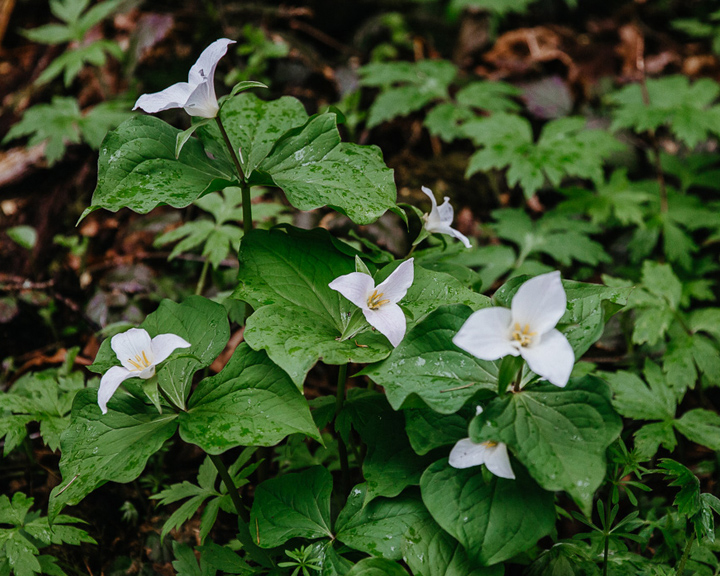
x=489, y=444
x=140, y=362
x=375, y=300
x=523, y=335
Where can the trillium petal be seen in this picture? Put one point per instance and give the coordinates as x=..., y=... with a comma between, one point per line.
x=109, y=384
x=208, y=61
x=486, y=334
x=552, y=358
x=202, y=101
x=173, y=96
x=389, y=320
x=446, y=212
x=498, y=461
x=396, y=285
x=130, y=345
x=356, y=287
x=467, y=453
x=540, y=302
x=429, y=194
x=460, y=236
x=164, y=344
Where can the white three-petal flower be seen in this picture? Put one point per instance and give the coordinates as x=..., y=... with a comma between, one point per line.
x=138, y=355
x=197, y=95
x=379, y=304
x=527, y=330
x=440, y=218
x=494, y=455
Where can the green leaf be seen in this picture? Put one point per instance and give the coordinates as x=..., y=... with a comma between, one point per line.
x=493, y=521
x=98, y=448
x=633, y=399
x=100, y=119
x=25, y=236
x=284, y=276
x=137, y=168
x=292, y=506
x=686, y=109
x=377, y=528
x=427, y=364
x=376, y=567
x=490, y=96
x=251, y=402
x=701, y=426
x=253, y=127
x=390, y=464
x=420, y=83
x=71, y=62
x=428, y=430
x=565, y=148
x=199, y=321
x=314, y=169
x=430, y=551
x=649, y=438
x=185, y=135
x=559, y=434
x=55, y=123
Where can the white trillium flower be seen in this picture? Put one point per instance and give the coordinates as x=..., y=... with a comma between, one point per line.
x=494, y=455
x=440, y=218
x=527, y=329
x=379, y=304
x=138, y=355
x=197, y=95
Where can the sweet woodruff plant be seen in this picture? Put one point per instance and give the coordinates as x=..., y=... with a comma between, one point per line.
x=480, y=423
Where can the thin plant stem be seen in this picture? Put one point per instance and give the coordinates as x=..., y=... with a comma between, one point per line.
x=685, y=556
x=203, y=276
x=244, y=187
x=606, y=533
x=244, y=535
x=342, y=449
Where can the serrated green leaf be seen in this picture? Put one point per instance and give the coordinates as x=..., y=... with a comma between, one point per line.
x=634, y=399
x=701, y=426
x=559, y=434
x=649, y=438
x=493, y=521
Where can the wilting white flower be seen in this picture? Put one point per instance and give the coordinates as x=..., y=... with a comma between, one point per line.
x=379, y=304
x=494, y=455
x=440, y=218
x=527, y=330
x=138, y=355
x=197, y=95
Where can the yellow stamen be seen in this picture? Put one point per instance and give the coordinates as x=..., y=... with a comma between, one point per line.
x=140, y=362
x=523, y=335
x=375, y=300
x=490, y=444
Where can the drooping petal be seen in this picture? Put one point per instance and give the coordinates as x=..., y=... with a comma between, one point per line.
x=173, y=96
x=446, y=212
x=467, y=453
x=460, y=236
x=165, y=344
x=356, y=287
x=202, y=101
x=109, y=384
x=540, y=303
x=552, y=357
x=396, y=285
x=208, y=61
x=131, y=345
x=486, y=334
x=498, y=462
x=389, y=320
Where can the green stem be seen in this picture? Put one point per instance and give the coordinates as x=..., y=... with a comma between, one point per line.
x=606, y=533
x=244, y=535
x=685, y=556
x=201, y=280
x=247, y=208
x=342, y=449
